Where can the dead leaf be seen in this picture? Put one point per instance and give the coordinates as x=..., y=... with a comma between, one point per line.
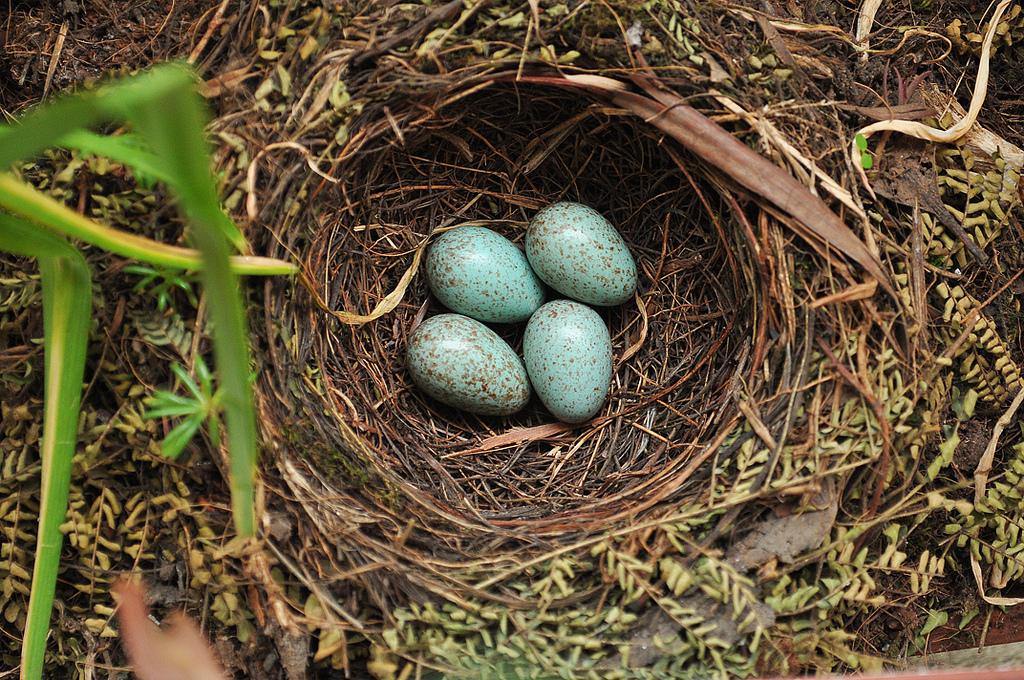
x=860, y=291
x=667, y=111
x=718, y=72
x=786, y=538
x=905, y=181
x=179, y=653
x=386, y=305
x=517, y=435
x=292, y=650
x=535, y=10
x=656, y=633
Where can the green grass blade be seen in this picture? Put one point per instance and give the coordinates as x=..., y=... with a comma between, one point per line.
x=140, y=100
x=122, y=148
x=41, y=128
x=67, y=308
x=172, y=122
x=19, y=198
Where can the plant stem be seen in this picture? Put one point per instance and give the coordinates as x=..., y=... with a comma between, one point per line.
x=172, y=122
x=23, y=200
x=67, y=307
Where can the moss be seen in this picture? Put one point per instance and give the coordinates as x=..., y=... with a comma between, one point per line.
x=339, y=467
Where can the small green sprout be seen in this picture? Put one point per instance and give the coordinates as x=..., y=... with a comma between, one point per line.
x=169, y=281
x=866, y=161
x=202, y=404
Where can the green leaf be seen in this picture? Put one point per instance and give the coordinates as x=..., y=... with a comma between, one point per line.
x=122, y=148
x=968, y=617
x=167, y=405
x=945, y=457
x=866, y=161
x=169, y=114
x=67, y=306
x=178, y=438
x=169, y=279
x=965, y=409
x=43, y=126
x=187, y=381
x=935, y=619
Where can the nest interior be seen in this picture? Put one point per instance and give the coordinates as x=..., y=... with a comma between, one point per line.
x=494, y=158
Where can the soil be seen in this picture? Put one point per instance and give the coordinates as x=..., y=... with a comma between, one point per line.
x=52, y=46
x=1003, y=627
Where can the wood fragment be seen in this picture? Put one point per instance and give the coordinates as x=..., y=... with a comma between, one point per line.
x=58, y=48
x=910, y=111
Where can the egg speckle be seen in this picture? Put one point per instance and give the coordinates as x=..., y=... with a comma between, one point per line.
x=578, y=252
x=480, y=273
x=568, y=353
x=463, y=363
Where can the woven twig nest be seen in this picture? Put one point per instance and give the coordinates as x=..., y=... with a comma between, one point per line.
x=768, y=412
x=415, y=504
x=495, y=158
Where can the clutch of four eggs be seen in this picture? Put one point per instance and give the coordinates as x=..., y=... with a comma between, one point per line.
x=483, y=277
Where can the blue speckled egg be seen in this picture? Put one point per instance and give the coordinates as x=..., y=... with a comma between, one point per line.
x=568, y=353
x=480, y=273
x=576, y=251
x=463, y=363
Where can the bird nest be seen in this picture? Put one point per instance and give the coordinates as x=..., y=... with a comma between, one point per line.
x=817, y=363
x=768, y=410
x=495, y=159
x=430, y=511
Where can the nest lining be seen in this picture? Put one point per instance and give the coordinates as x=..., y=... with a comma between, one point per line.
x=495, y=158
